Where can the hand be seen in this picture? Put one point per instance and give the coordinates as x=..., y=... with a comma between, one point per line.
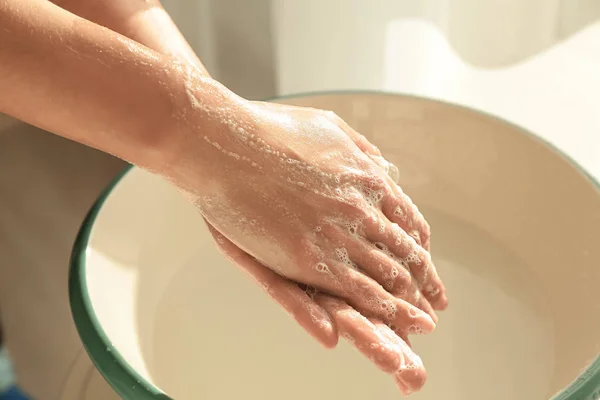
x=309, y=204
x=291, y=189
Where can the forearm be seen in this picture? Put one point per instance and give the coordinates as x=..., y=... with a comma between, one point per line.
x=144, y=21
x=79, y=80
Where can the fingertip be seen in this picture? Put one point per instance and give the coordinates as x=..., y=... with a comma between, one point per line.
x=412, y=379
x=328, y=342
x=323, y=331
x=328, y=336
x=434, y=317
x=424, y=321
x=402, y=387
x=429, y=323
x=424, y=305
x=441, y=303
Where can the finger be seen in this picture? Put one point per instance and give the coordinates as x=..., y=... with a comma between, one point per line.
x=381, y=267
x=288, y=294
x=361, y=333
x=395, y=242
x=369, y=297
x=400, y=209
x=378, y=343
x=411, y=375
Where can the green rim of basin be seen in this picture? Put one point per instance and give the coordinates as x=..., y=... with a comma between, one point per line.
x=132, y=386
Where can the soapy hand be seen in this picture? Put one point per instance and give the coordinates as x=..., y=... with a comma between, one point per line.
x=295, y=192
x=293, y=195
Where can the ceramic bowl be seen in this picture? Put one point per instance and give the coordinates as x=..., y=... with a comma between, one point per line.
x=515, y=235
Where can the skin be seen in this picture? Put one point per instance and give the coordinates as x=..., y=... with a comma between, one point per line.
x=316, y=205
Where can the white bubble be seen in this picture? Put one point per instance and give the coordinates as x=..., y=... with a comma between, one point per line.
x=413, y=258
x=352, y=227
x=348, y=337
x=432, y=291
x=342, y=255
x=415, y=330
x=322, y=267
x=415, y=235
x=399, y=212
x=388, y=285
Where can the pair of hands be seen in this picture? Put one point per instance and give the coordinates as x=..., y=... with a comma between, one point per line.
x=309, y=208
x=301, y=202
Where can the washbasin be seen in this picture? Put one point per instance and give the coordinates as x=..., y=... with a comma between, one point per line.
x=515, y=236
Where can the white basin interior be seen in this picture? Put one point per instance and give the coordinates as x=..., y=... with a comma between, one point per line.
x=515, y=229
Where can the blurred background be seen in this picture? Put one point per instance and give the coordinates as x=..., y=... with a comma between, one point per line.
x=262, y=48
x=454, y=49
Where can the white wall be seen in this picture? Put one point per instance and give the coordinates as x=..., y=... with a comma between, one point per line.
x=234, y=40
x=339, y=44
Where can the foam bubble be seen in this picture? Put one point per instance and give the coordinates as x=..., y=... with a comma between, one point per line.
x=399, y=212
x=398, y=241
x=322, y=267
x=372, y=196
x=415, y=330
x=412, y=258
x=432, y=291
x=348, y=337
x=342, y=255
x=388, y=285
x=415, y=235
x=352, y=227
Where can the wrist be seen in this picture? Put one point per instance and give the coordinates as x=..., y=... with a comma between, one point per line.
x=206, y=118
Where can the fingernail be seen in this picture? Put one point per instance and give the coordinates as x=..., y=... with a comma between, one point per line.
x=441, y=303
x=404, y=390
x=431, y=324
x=411, y=379
x=434, y=317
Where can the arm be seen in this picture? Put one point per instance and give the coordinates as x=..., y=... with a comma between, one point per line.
x=145, y=22
x=85, y=82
